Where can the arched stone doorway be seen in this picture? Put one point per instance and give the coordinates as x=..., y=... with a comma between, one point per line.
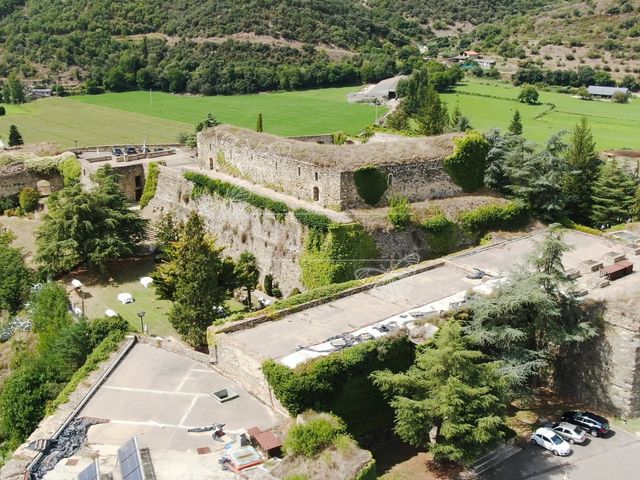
x=44, y=187
x=316, y=194
x=210, y=163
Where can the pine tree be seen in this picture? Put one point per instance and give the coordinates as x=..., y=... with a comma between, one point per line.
x=197, y=279
x=613, y=196
x=259, y=123
x=417, y=87
x=455, y=389
x=583, y=163
x=15, y=137
x=433, y=118
x=515, y=127
x=456, y=115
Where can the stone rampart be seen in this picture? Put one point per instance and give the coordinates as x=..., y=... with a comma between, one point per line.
x=238, y=227
x=14, y=178
x=302, y=180
x=132, y=178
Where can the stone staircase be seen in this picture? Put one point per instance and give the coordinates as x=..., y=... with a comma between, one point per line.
x=492, y=459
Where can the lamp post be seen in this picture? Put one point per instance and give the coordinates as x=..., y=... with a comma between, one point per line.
x=141, y=315
x=76, y=142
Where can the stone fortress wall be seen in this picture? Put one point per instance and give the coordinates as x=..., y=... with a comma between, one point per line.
x=238, y=227
x=14, y=178
x=314, y=172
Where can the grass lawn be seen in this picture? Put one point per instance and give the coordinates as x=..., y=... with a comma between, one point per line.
x=63, y=120
x=614, y=125
x=303, y=112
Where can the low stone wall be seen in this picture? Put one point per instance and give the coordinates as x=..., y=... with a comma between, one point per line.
x=174, y=346
x=14, y=178
x=326, y=139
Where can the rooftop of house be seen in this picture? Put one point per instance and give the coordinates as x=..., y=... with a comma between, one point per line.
x=606, y=91
x=340, y=157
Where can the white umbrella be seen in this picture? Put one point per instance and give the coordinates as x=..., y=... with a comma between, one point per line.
x=146, y=281
x=110, y=313
x=76, y=283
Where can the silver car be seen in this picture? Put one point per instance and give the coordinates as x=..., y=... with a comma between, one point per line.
x=571, y=433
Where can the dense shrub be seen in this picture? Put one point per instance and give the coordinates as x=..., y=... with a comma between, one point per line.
x=399, y=212
x=496, y=216
x=70, y=170
x=312, y=220
x=371, y=183
x=204, y=184
x=368, y=472
x=340, y=383
x=442, y=234
x=150, y=185
x=8, y=203
x=310, y=438
x=469, y=161
x=28, y=199
x=267, y=284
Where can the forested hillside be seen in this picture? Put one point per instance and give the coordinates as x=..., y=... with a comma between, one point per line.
x=230, y=46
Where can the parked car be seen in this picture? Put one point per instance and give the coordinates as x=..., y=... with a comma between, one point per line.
x=592, y=423
x=131, y=151
x=477, y=274
x=571, y=433
x=145, y=150
x=117, y=152
x=547, y=438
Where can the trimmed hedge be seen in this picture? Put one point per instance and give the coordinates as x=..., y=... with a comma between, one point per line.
x=496, y=216
x=340, y=384
x=151, y=185
x=371, y=183
x=312, y=220
x=204, y=184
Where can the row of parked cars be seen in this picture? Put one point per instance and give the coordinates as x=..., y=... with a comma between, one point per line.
x=129, y=150
x=572, y=428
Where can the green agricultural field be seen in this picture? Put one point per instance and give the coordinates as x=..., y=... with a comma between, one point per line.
x=491, y=104
x=304, y=112
x=132, y=117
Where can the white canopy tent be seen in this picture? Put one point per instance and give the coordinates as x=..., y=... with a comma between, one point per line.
x=125, y=298
x=146, y=281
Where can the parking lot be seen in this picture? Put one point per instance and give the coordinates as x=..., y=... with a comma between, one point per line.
x=616, y=457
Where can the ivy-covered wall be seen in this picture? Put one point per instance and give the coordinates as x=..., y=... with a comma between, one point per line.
x=334, y=255
x=340, y=384
x=371, y=183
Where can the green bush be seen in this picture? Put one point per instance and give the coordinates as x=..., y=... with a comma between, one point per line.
x=8, y=203
x=468, y=163
x=399, y=212
x=442, y=234
x=28, y=199
x=340, y=383
x=310, y=438
x=151, y=185
x=204, y=184
x=2, y=111
x=371, y=183
x=312, y=220
x=267, y=284
x=70, y=170
x=496, y=216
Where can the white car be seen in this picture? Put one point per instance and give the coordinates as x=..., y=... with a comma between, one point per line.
x=547, y=438
x=571, y=433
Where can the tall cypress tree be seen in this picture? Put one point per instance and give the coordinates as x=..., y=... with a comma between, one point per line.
x=433, y=117
x=613, y=196
x=259, y=124
x=583, y=165
x=515, y=127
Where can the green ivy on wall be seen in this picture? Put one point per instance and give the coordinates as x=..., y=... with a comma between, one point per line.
x=442, y=234
x=371, y=183
x=468, y=163
x=335, y=256
x=150, y=186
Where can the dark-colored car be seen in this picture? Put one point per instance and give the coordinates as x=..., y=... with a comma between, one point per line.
x=117, y=152
x=592, y=423
x=131, y=151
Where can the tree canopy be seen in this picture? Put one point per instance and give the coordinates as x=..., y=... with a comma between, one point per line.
x=15, y=277
x=88, y=227
x=613, y=195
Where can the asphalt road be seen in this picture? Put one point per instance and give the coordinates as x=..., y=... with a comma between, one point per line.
x=616, y=457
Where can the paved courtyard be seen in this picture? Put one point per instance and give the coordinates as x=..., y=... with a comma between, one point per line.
x=157, y=395
x=616, y=458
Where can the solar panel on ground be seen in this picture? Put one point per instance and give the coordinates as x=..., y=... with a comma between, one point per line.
x=92, y=472
x=129, y=460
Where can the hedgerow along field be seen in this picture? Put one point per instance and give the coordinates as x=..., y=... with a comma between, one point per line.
x=132, y=117
x=490, y=104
